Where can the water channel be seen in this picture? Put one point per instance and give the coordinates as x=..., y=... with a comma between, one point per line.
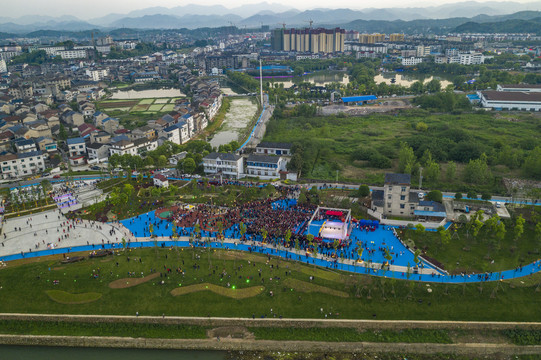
x=238, y=117
x=145, y=94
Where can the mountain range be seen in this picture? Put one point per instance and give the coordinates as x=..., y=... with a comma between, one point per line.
x=447, y=16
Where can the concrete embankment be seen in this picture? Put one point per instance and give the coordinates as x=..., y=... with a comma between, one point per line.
x=268, y=345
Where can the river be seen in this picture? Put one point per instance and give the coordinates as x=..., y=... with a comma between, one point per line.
x=146, y=94
x=238, y=117
x=69, y=353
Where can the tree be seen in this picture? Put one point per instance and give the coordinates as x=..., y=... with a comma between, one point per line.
x=477, y=171
x=532, y=164
x=419, y=229
x=519, y=227
x=433, y=86
x=435, y=195
x=242, y=228
x=538, y=232
x=188, y=165
x=363, y=191
x=432, y=171
x=486, y=196
x=458, y=196
x=407, y=161
x=264, y=234
x=62, y=133
x=450, y=171
x=472, y=195
x=287, y=236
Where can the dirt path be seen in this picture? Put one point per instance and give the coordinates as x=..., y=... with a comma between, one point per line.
x=129, y=282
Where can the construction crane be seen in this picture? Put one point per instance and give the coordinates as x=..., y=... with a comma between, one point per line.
x=283, y=25
x=310, y=22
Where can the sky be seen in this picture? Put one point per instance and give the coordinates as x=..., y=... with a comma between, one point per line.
x=98, y=8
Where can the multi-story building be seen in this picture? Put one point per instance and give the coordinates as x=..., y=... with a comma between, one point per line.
x=371, y=38
x=225, y=164
x=396, y=198
x=3, y=66
x=177, y=133
x=273, y=148
x=412, y=61
x=265, y=166
x=76, y=146
x=97, y=152
x=309, y=40
x=136, y=147
x=72, y=54
x=97, y=74
x=422, y=50
x=20, y=165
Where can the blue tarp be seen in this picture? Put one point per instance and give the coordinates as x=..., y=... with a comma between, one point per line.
x=359, y=98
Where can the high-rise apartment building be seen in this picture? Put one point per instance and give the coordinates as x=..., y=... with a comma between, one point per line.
x=309, y=40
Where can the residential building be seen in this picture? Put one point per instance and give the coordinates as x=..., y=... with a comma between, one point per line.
x=136, y=147
x=265, y=166
x=396, y=198
x=20, y=165
x=72, y=54
x=226, y=164
x=309, y=40
x=160, y=180
x=3, y=66
x=23, y=145
x=273, y=148
x=76, y=146
x=97, y=74
x=412, y=61
x=98, y=152
x=177, y=133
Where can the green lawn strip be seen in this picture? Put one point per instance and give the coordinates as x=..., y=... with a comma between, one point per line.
x=369, y=297
x=146, y=101
x=307, y=287
x=59, y=328
x=352, y=335
x=64, y=297
x=229, y=292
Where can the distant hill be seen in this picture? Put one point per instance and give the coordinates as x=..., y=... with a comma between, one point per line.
x=507, y=26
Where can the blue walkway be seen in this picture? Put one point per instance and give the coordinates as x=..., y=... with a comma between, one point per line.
x=373, y=241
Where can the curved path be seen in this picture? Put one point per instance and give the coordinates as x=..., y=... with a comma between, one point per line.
x=38, y=230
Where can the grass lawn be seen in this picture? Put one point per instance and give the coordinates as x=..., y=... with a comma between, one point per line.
x=368, y=297
x=146, y=101
x=335, y=143
x=479, y=254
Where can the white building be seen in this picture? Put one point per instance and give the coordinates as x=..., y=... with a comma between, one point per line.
x=3, y=66
x=226, y=164
x=72, y=54
x=411, y=61
x=136, y=147
x=97, y=152
x=265, y=166
x=273, y=148
x=97, y=74
x=520, y=87
x=20, y=165
x=178, y=133
x=510, y=100
x=160, y=180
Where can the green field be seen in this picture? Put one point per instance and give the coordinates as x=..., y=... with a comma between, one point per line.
x=358, y=147
x=143, y=106
x=155, y=108
x=80, y=285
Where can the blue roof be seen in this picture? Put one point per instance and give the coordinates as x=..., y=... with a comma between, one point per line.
x=170, y=128
x=186, y=116
x=359, y=98
x=430, y=213
x=77, y=140
x=23, y=141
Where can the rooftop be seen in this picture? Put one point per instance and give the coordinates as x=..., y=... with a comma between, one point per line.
x=274, y=145
x=397, y=179
x=264, y=158
x=512, y=96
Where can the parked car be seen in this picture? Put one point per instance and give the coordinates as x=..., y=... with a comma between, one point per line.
x=56, y=176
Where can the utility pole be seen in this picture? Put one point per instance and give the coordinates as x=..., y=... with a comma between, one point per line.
x=420, y=177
